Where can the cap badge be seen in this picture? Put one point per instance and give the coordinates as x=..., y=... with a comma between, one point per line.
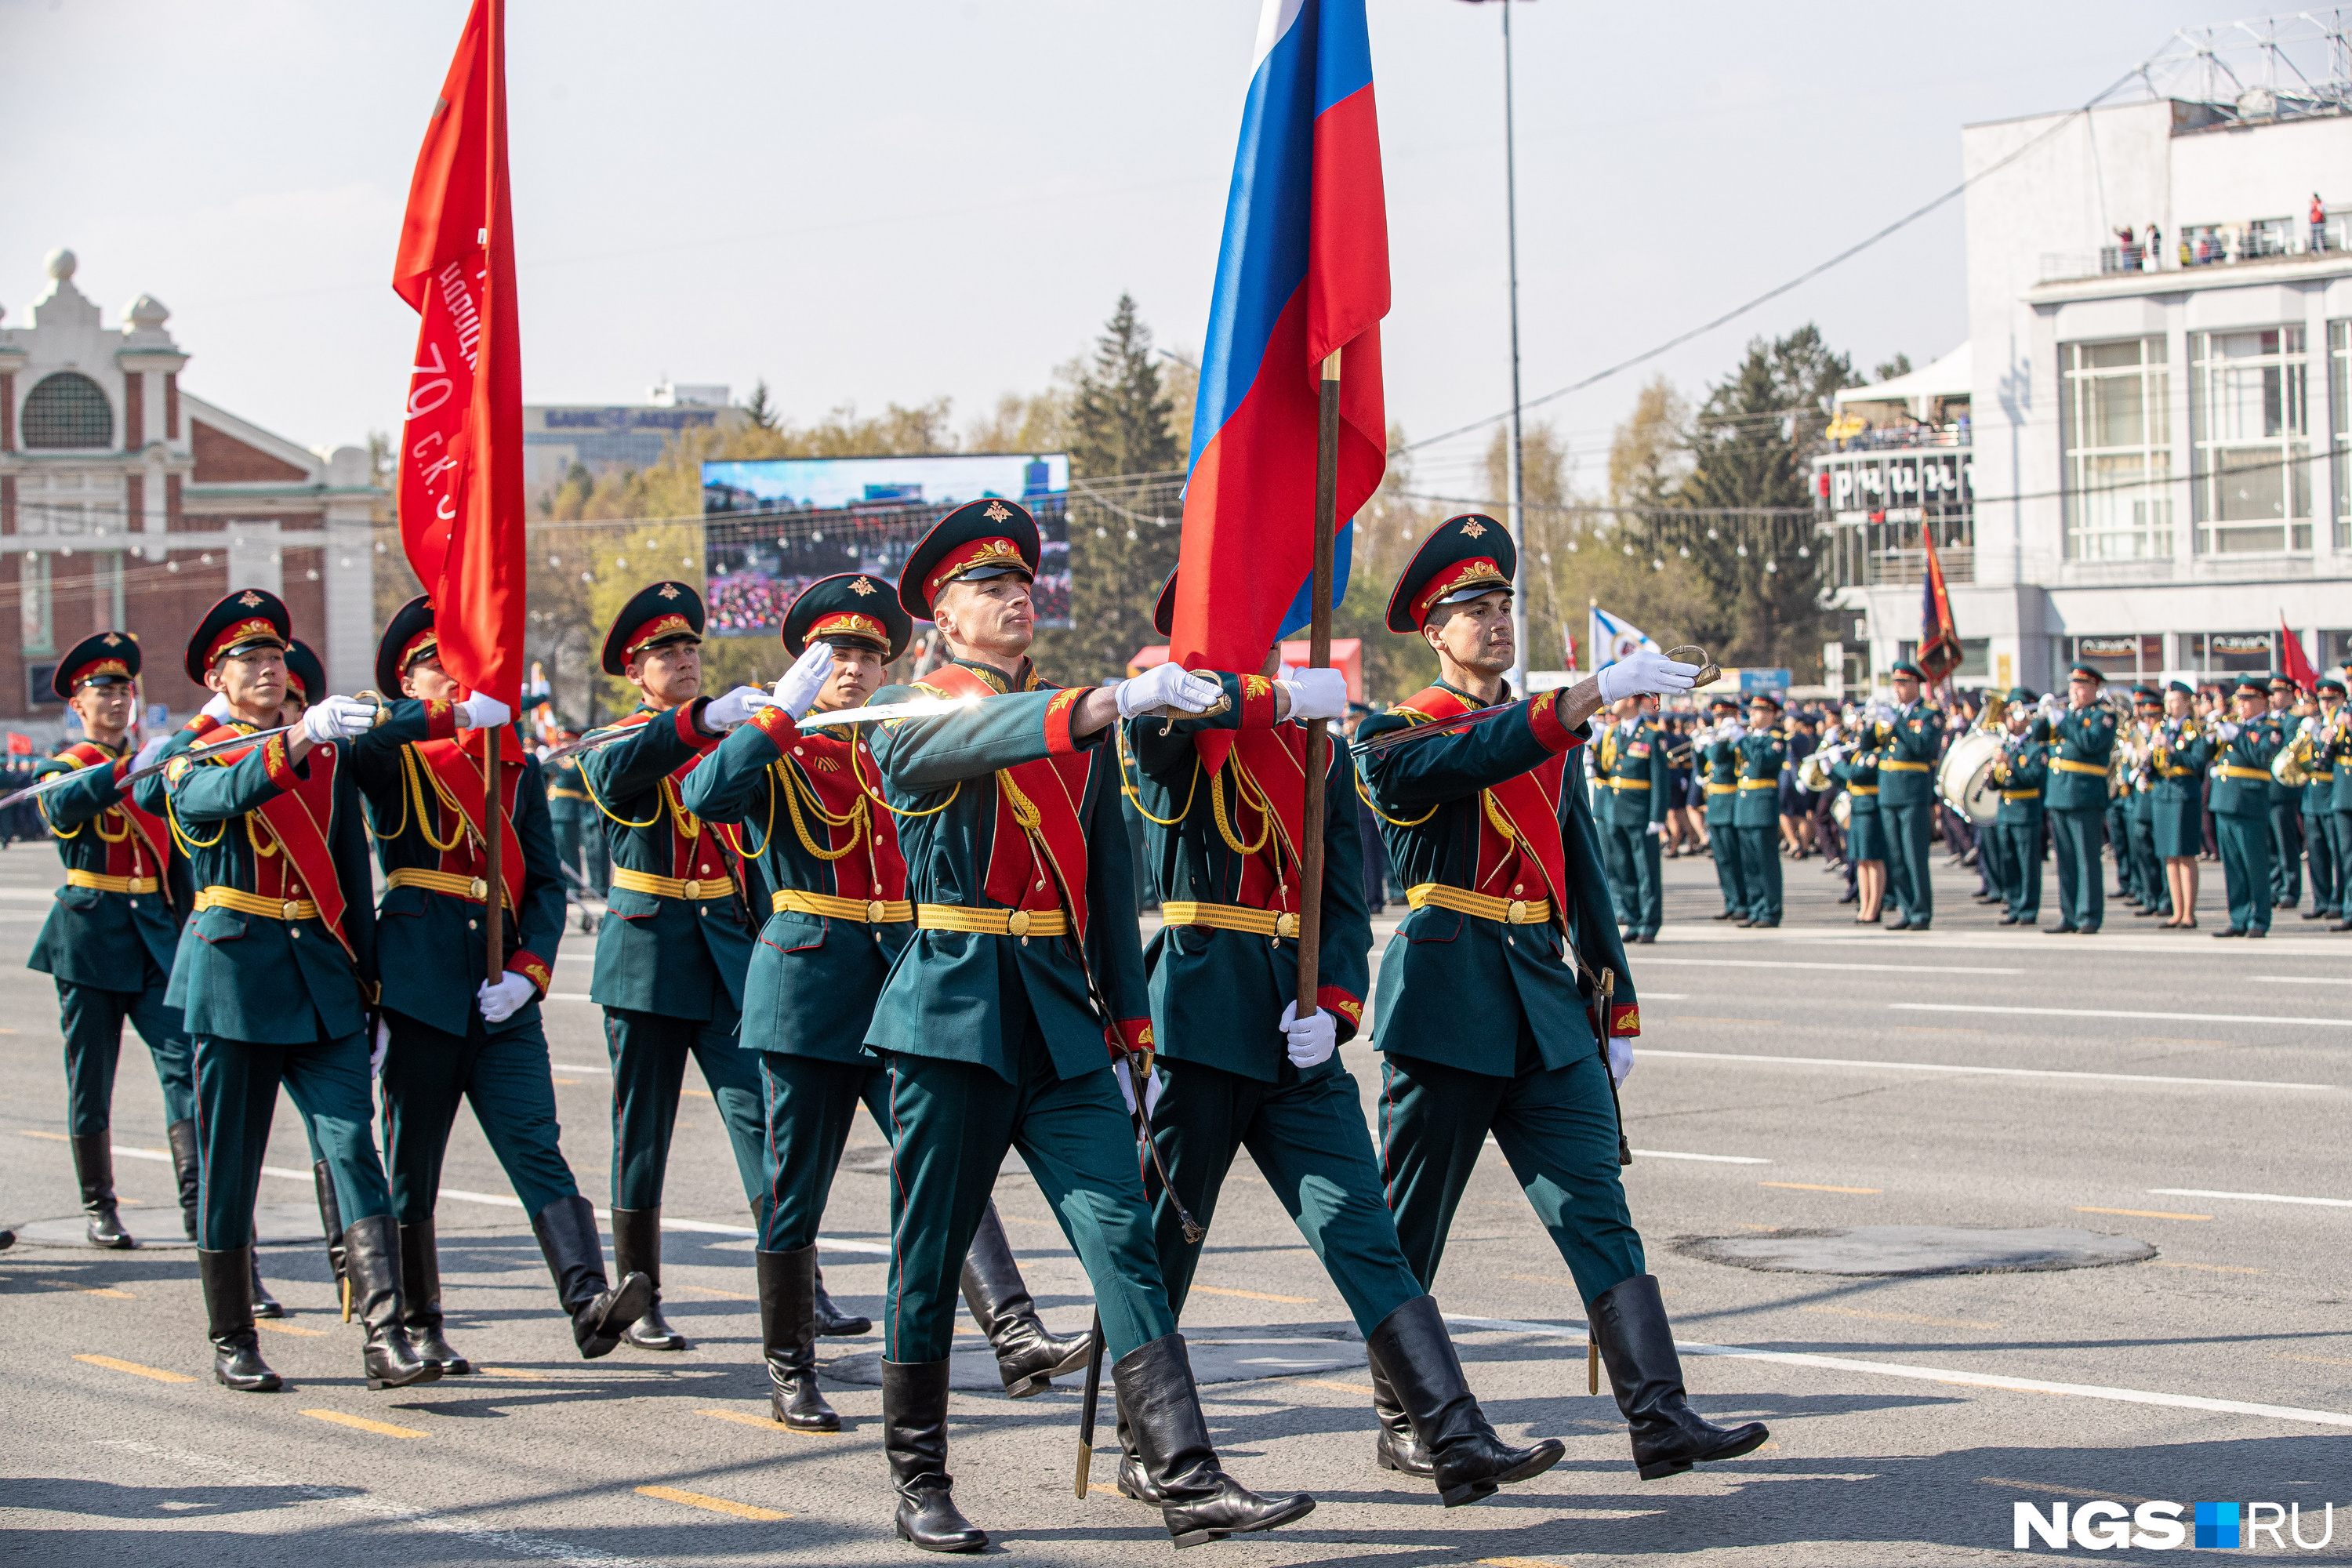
x=1472, y=529
x=248, y=598
x=997, y=512
x=112, y=641
x=669, y=591
x=862, y=587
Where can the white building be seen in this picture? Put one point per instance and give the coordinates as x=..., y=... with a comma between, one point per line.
x=2137, y=457
x=602, y=438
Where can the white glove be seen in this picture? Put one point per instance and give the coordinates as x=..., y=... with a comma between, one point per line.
x=503, y=998
x=382, y=1044
x=2226, y=730
x=1151, y=1088
x=338, y=719
x=1732, y=731
x=725, y=713
x=1645, y=672
x=482, y=712
x=1884, y=713
x=797, y=690
x=1653, y=829
x=1167, y=686
x=1311, y=1041
x=2049, y=707
x=150, y=752
x=1317, y=694
x=1620, y=1059
x=219, y=709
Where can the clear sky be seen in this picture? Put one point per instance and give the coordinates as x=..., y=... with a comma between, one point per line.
x=868, y=203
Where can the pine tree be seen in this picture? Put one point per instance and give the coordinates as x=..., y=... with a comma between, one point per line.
x=759, y=410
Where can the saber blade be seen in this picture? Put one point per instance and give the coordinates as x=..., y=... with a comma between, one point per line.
x=921, y=708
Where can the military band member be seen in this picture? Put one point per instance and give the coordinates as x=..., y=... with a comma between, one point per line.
x=1865, y=830
x=1722, y=774
x=110, y=937
x=2327, y=870
x=1481, y=1007
x=1224, y=796
x=2150, y=889
x=1004, y=1015
x=676, y=938
x=2332, y=750
x=1762, y=752
x=2181, y=750
x=2286, y=805
x=280, y=977
x=2243, y=749
x=1629, y=764
x=2083, y=737
x=1910, y=738
x=804, y=807
x=453, y=1033
x=2021, y=772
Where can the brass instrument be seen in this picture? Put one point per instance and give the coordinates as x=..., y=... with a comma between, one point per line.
x=1996, y=705
x=2291, y=765
x=1813, y=774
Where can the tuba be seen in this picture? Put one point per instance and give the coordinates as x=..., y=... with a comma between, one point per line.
x=2291, y=765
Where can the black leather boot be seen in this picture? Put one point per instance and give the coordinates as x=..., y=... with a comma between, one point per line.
x=1132, y=1480
x=788, y=1339
x=228, y=1278
x=566, y=1229
x=832, y=1320
x=1416, y=1354
x=636, y=1249
x=93, y=1156
x=1396, y=1448
x=372, y=1263
x=331, y=1220
x=420, y=1287
x=1199, y=1501
x=915, y=1440
x=182, y=1138
x=265, y=1305
x=1028, y=1357
x=1637, y=1345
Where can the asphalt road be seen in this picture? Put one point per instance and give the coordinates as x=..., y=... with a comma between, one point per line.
x=2144, y=1084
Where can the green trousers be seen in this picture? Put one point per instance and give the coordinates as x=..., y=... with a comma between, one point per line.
x=1910, y=831
x=1992, y=862
x=1760, y=870
x=1724, y=845
x=236, y=1091
x=91, y=1021
x=427, y=1074
x=649, y=1054
x=2021, y=858
x=580, y=845
x=952, y=1123
x=1308, y=1140
x=810, y=1104
x=2326, y=870
x=2076, y=839
x=2339, y=851
x=2286, y=853
x=1628, y=855
x=1557, y=1128
x=2148, y=883
x=2246, y=869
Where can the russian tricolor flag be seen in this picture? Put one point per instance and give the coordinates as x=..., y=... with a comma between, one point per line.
x=1303, y=269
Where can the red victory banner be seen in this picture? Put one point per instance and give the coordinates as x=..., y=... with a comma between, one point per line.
x=460, y=488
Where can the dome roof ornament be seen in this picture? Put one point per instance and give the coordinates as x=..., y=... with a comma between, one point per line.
x=60, y=264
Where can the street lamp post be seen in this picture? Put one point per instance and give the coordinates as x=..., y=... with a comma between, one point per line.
x=1518, y=473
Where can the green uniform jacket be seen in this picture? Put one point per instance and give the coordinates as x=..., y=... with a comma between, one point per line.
x=1762, y=754
x=2179, y=771
x=2022, y=773
x=2335, y=754
x=429, y=945
x=1631, y=771
x=1908, y=749
x=946, y=994
x=1217, y=994
x=2084, y=742
x=1858, y=771
x=2242, y=771
x=567, y=797
x=673, y=956
x=92, y=935
x=796, y=803
x=2318, y=796
x=1722, y=759
x=1446, y=977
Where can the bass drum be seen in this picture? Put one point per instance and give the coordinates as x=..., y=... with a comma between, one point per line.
x=1964, y=779
x=1841, y=810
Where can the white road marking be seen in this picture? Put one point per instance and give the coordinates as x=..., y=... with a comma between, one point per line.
x=2251, y=1197
x=2300, y=980
x=1712, y=1159
x=2116, y=1012
x=567, y=996
x=1785, y=963
x=580, y=1066
x=1579, y=1331
x=1654, y=1052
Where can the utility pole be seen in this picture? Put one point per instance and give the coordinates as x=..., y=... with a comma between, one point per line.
x=1518, y=520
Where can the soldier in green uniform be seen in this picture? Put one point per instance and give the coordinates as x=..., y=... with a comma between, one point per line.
x=2286, y=805
x=828, y=852
x=1865, y=832
x=280, y=974
x=1722, y=765
x=2179, y=751
x=677, y=934
x=1909, y=734
x=2021, y=771
x=108, y=939
x=1004, y=1014
x=1485, y=1005
x=2149, y=888
x=579, y=847
x=2332, y=751
x=1225, y=798
x=2318, y=789
x=1629, y=764
x=1763, y=752
x=306, y=680
x=449, y=1042
x=2082, y=736
x=2243, y=749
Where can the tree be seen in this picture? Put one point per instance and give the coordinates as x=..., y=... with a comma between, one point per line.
x=1899, y=365
x=759, y=410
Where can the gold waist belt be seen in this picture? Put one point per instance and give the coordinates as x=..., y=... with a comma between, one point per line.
x=992, y=923
x=2068, y=766
x=247, y=903
x=1461, y=900
x=1629, y=783
x=834, y=907
x=2323, y=778
x=2231, y=771
x=454, y=884
x=1713, y=788
x=1898, y=765
x=2020, y=794
x=76, y=879
x=672, y=886
x=1862, y=789
x=1759, y=784
x=1267, y=923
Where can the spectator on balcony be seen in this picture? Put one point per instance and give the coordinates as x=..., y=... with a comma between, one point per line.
x=2318, y=223
x=2152, y=255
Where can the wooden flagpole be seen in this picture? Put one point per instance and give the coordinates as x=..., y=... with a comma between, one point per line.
x=1318, y=738
x=493, y=797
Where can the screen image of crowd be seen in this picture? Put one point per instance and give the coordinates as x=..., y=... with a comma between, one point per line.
x=751, y=603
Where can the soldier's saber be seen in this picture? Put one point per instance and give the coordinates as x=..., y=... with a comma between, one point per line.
x=194, y=754
x=919, y=707
x=1389, y=740
x=1087, y=1411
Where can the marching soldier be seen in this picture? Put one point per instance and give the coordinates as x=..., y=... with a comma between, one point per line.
x=2179, y=751
x=1224, y=796
x=1910, y=739
x=1025, y=968
x=1630, y=767
x=572, y=816
x=1487, y=994
x=306, y=678
x=676, y=938
x=1722, y=766
x=447, y=1042
x=1865, y=832
x=2022, y=773
x=2327, y=868
x=1762, y=751
x=839, y=916
x=2332, y=750
x=2286, y=805
x=278, y=985
x=2082, y=735
x=2146, y=881
x=2242, y=749
x=110, y=937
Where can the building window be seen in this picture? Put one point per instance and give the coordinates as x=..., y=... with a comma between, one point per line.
x=34, y=636
x=2340, y=402
x=2118, y=452
x=2334, y=649
x=2133, y=656
x=2230, y=653
x=2250, y=436
x=68, y=410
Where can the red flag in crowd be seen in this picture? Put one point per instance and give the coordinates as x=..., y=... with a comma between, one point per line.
x=2298, y=662
x=460, y=486
x=1939, y=637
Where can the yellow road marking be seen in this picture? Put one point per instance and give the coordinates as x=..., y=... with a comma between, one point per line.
x=566, y=1081
x=1365, y=1388
x=1519, y=1563
x=380, y=1428
x=2321, y=1360
x=1817, y=1187
x=715, y=1504
x=743, y=1419
x=2060, y=1491
x=2210, y=1267
x=1900, y=1318
x=87, y=1289
x=1253, y=1295
x=517, y=1371
x=2141, y=1213
x=275, y=1327
x=53, y=1137
x=700, y=1094
x=715, y=1290
x=158, y=1373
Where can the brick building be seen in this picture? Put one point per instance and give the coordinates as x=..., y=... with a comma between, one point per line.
x=127, y=502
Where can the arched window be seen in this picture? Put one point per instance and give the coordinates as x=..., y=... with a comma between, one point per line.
x=68, y=410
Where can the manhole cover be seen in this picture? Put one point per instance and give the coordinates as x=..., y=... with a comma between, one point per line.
x=1918, y=1249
